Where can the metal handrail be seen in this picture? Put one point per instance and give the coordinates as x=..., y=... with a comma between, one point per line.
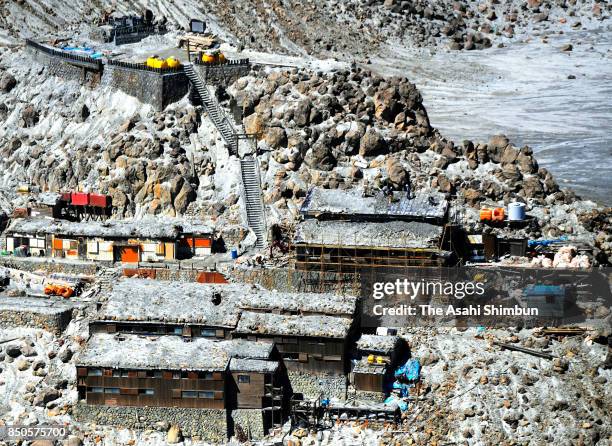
x=144, y=67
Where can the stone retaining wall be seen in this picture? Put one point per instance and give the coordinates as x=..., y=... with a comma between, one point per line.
x=48, y=265
x=223, y=75
x=149, y=87
x=60, y=67
x=291, y=280
x=311, y=386
x=54, y=323
x=250, y=422
x=208, y=424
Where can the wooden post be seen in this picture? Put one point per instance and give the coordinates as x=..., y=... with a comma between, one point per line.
x=188, y=52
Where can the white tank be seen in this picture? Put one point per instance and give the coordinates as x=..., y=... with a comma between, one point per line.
x=516, y=211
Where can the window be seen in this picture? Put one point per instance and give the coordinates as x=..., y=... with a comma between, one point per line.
x=112, y=390
x=189, y=394
x=95, y=389
x=205, y=375
x=244, y=379
x=94, y=372
x=206, y=394
x=147, y=392
x=206, y=332
x=176, y=375
x=178, y=330
x=116, y=373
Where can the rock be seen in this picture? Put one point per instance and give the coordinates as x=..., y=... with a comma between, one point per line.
x=301, y=114
x=7, y=82
x=371, y=144
x=73, y=441
x=473, y=196
x=13, y=350
x=22, y=365
x=532, y=187
x=174, y=435
x=42, y=443
x=276, y=137
x=385, y=105
x=83, y=113
x=46, y=396
x=184, y=198
x=65, y=355
x=509, y=155
x=354, y=135
x=567, y=47
x=254, y=124
x=320, y=157
x=29, y=116
x=396, y=172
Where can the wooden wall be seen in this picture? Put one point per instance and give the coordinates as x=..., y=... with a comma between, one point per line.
x=167, y=390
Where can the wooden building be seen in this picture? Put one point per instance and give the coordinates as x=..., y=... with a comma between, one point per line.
x=376, y=359
x=314, y=344
x=151, y=307
x=345, y=231
x=168, y=371
x=133, y=241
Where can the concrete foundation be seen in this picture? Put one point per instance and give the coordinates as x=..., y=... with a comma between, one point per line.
x=34, y=312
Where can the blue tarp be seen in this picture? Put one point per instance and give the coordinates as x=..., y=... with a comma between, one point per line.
x=545, y=242
x=411, y=370
x=83, y=51
x=544, y=290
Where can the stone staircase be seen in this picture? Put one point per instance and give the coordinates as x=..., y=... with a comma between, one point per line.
x=253, y=200
x=214, y=110
x=249, y=167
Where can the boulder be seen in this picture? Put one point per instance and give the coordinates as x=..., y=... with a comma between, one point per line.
x=320, y=157
x=174, y=435
x=29, y=116
x=276, y=137
x=46, y=396
x=184, y=198
x=354, y=134
x=509, y=155
x=7, y=82
x=301, y=113
x=396, y=172
x=254, y=124
x=532, y=187
x=385, y=104
x=371, y=144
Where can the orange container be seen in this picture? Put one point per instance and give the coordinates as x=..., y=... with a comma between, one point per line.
x=486, y=214
x=499, y=214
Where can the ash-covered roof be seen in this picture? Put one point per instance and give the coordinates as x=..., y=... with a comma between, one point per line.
x=35, y=305
x=141, y=300
x=174, y=302
x=325, y=303
x=48, y=198
x=130, y=351
x=352, y=202
x=253, y=365
x=285, y=325
x=243, y=349
x=146, y=353
x=394, y=234
x=148, y=228
x=364, y=366
x=380, y=344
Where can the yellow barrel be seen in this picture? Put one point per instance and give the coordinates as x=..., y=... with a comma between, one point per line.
x=370, y=359
x=221, y=58
x=155, y=62
x=173, y=62
x=209, y=58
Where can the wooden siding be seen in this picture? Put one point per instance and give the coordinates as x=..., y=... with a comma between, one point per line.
x=369, y=382
x=314, y=355
x=188, y=330
x=167, y=390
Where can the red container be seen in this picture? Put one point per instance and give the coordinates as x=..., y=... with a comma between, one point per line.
x=65, y=197
x=99, y=200
x=80, y=199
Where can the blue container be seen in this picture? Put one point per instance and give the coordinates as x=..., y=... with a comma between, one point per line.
x=234, y=253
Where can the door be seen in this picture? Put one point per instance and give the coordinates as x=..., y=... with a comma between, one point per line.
x=130, y=254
